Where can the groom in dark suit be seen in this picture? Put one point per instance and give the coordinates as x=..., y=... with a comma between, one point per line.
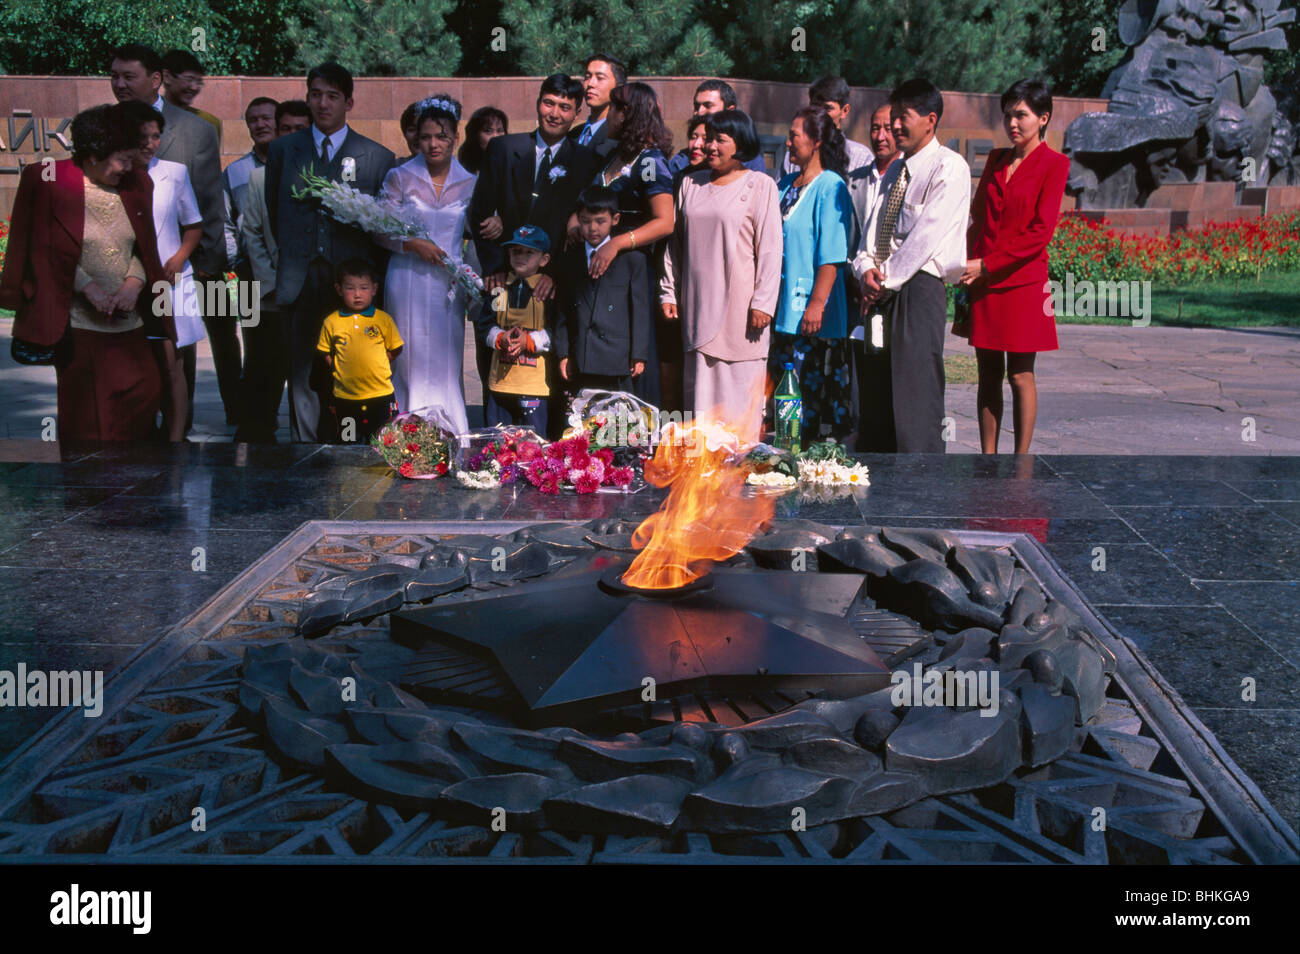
x=531, y=179
x=311, y=243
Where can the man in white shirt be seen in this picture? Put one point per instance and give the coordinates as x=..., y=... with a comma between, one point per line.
x=913, y=242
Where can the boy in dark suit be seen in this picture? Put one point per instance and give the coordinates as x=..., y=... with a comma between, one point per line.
x=531, y=179
x=311, y=243
x=603, y=332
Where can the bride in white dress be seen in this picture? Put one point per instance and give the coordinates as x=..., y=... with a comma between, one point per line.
x=433, y=186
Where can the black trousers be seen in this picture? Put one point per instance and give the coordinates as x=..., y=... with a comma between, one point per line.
x=875, y=410
x=223, y=339
x=917, y=321
x=366, y=417
x=310, y=385
x=189, y=363
x=266, y=369
x=604, y=382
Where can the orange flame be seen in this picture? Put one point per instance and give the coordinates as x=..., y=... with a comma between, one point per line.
x=704, y=519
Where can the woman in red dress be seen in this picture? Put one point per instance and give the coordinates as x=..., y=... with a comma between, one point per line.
x=1014, y=212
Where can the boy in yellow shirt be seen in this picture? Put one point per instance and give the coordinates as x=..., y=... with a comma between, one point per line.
x=358, y=342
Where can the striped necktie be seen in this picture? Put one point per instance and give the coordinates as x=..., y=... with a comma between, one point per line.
x=889, y=220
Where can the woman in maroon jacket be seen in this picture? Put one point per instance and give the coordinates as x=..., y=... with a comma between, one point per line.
x=1014, y=212
x=82, y=248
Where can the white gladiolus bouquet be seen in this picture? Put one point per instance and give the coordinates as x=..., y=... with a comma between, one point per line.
x=379, y=216
x=350, y=206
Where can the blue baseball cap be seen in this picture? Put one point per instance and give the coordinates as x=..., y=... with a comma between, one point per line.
x=531, y=236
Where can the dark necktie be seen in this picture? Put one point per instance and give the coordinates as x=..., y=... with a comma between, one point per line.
x=542, y=179
x=543, y=172
x=325, y=149
x=520, y=294
x=889, y=219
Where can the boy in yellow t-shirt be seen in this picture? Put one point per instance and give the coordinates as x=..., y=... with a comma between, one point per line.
x=359, y=342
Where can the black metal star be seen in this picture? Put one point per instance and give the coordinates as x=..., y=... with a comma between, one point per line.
x=570, y=649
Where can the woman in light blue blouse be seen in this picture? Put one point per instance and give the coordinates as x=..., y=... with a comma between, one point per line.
x=811, y=325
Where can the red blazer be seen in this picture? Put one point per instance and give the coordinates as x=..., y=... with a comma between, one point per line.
x=1013, y=223
x=45, y=234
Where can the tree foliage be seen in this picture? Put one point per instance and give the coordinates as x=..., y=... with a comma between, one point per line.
x=977, y=45
x=75, y=36
x=656, y=37
x=375, y=37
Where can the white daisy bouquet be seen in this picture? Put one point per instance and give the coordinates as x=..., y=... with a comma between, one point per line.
x=822, y=465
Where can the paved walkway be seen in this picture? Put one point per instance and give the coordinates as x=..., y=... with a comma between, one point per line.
x=1108, y=390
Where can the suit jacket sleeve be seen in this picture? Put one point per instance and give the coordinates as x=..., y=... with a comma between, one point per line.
x=487, y=315
x=1025, y=245
x=566, y=317
x=257, y=242
x=979, y=201
x=639, y=304
x=769, y=245
x=21, y=222
x=211, y=255
x=274, y=173
x=486, y=201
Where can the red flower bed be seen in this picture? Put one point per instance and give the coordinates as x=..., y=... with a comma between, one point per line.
x=1246, y=248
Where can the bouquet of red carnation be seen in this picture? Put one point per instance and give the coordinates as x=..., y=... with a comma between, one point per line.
x=414, y=446
x=572, y=463
x=502, y=459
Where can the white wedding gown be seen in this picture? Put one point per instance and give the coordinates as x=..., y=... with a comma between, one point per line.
x=428, y=372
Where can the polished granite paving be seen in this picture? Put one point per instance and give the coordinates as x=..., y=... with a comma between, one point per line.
x=99, y=548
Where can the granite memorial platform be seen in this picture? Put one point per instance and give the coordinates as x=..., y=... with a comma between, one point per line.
x=189, y=577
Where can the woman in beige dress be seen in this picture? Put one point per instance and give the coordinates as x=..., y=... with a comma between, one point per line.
x=722, y=277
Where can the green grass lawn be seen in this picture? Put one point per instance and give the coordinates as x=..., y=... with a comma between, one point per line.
x=1273, y=300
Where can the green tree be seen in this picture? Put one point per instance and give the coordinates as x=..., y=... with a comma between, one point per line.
x=75, y=36
x=652, y=37
x=958, y=44
x=1081, y=45
x=376, y=37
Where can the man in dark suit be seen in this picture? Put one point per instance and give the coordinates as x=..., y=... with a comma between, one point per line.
x=135, y=72
x=602, y=336
x=600, y=75
x=310, y=242
x=531, y=179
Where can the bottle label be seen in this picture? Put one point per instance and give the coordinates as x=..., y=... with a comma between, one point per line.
x=789, y=409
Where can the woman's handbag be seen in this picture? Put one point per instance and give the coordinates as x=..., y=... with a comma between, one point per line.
x=24, y=352
x=961, y=313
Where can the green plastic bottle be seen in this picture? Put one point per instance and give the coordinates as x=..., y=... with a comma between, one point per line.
x=789, y=410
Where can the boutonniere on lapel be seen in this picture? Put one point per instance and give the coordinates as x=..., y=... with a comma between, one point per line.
x=557, y=172
x=349, y=169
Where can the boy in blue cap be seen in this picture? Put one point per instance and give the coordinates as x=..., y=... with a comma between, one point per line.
x=517, y=328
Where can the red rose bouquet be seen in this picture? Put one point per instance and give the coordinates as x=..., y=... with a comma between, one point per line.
x=414, y=446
